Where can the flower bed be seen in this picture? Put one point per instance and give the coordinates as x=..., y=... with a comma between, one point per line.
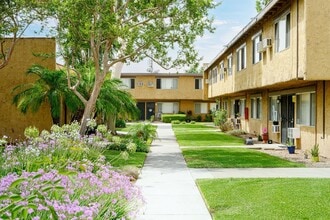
x=63, y=175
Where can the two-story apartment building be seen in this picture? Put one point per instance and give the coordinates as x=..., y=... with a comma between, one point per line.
x=275, y=75
x=158, y=93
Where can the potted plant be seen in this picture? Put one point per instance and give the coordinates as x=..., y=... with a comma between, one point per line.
x=290, y=146
x=315, y=153
x=265, y=135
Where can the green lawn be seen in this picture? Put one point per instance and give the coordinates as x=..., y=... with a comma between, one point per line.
x=202, y=135
x=136, y=159
x=232, y=158
x=267, y=198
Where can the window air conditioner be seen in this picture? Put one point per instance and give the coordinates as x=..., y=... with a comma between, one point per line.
x=150, y=84
x=267, y=42
x=260, y=47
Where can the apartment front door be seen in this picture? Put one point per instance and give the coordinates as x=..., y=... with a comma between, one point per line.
x=287, y=116
x=150, y=109
x=142, y=107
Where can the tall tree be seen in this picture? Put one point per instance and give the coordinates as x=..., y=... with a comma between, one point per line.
x=111, y=32
x=260, y=4
x=15, y=17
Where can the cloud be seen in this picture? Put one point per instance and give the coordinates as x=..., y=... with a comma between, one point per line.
x=218, y=22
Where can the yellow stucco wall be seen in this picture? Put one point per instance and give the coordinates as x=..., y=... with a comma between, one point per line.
x=12, y=121
x=145, y=87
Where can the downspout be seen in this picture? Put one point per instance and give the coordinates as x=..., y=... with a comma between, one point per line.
x=297, y=64
x=323, y=113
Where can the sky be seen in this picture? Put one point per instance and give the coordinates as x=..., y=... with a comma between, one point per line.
x=230, y=17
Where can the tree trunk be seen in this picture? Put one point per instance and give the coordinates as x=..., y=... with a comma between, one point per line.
x=111, y=123
x=90, y=105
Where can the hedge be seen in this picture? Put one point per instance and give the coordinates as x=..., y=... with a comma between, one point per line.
x=168, y=118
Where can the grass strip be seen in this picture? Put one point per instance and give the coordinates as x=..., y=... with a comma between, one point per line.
x=233, y=158
x=271, y=198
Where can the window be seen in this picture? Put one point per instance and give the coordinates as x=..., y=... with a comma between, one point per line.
x=128, y=83
x=242, y=107
x=230, y=64
x=201, y=108
x=256, y=108
x=222, y=71
x=274, y=108
x=282, y=32
x=241, y=57
x=168, y=107
x=214, y=74
x=167, y=83
x=256, y=56
x=198, y=83
x=306, y=109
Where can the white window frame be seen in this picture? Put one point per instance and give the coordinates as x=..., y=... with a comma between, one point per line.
x=214, y=75
x=256, y=107
x=171, y=107
x=200, y=108
x=306, y=110
x=230, y=64
x=241, y=57
x=256, y=56
x=168, y=83
x=127, y=82
x=282, y=28
x=222, y=70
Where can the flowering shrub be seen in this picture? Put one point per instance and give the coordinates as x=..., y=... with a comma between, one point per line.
x=51, y=150
x=81, y=195
x=61, y=175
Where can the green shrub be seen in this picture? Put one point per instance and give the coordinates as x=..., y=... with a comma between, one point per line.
x=208, y=118
x=144, y=131
x=183, y=122
x=199, y=118
x=220, y=117
x=192, y=122
x=120, y=123
x=167, y=118
x=175, y=122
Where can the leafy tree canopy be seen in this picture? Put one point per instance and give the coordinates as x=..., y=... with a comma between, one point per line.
x=260, y=4
x=108, y=32
x=15, y=17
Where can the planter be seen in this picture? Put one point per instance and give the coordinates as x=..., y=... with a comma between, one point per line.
x=291, y=149
x=265, y=137
x=316, y=159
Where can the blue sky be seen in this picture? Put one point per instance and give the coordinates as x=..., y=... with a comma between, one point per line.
x=230, y=16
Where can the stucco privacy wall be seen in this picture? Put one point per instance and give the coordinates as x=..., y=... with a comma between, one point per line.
x=12, y=121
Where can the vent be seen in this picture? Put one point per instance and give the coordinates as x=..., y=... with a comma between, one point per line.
x=150, y=84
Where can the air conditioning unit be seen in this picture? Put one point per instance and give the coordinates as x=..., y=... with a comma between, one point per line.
x=139, y=84
x=150, y=84
x=260, y=47
x=267, y=42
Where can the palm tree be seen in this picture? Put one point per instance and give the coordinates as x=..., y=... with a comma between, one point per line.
x=51, y=86
x=113, y=101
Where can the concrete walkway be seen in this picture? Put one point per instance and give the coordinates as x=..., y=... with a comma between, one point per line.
x=167, y=185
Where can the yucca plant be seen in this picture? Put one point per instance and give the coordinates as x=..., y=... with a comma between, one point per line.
x=144, y=131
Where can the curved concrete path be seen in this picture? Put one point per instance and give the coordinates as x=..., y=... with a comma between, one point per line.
x=167, y=185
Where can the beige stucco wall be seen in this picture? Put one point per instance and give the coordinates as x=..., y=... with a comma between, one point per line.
x=318, y=35
x=12, y=121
